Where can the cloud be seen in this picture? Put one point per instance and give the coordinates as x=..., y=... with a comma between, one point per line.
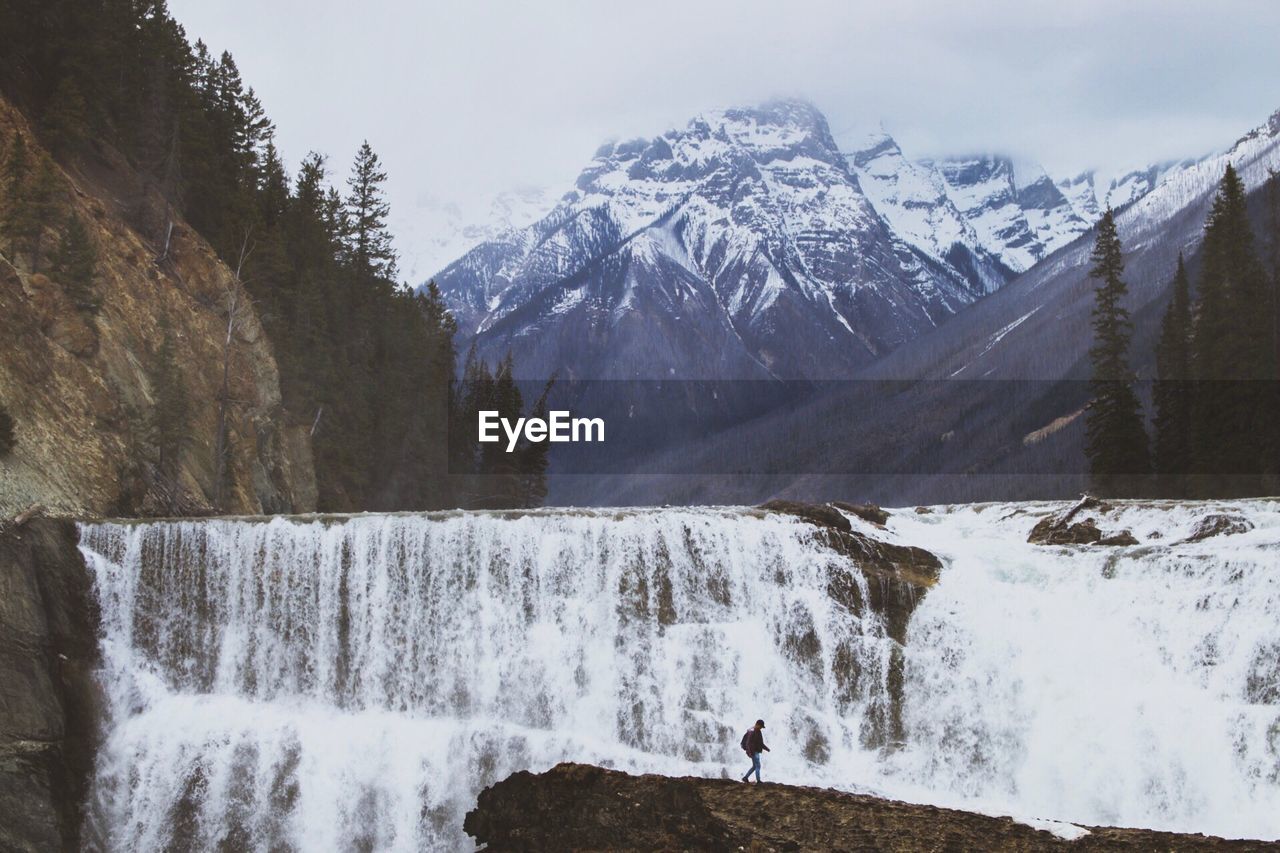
x=465, y=99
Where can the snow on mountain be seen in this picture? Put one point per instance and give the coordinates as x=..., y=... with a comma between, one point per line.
x=739, y=246
x=1018, y=212
x=434, y=233
x=1154, y=228
x=914, y=199
x=1089, y=198
x=1005, y=215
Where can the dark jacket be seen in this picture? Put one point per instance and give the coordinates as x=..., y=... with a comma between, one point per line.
x=755, y=742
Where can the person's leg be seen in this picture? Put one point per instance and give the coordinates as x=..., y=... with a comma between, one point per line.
x=747, y=778
x=755, y=766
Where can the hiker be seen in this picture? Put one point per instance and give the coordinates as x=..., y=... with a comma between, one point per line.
x=753, y=744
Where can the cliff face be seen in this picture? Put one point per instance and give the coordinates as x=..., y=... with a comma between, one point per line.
x=576, y=807
x=79, y=386
x=48, y=704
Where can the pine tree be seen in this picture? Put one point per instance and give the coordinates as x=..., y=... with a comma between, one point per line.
x=1172, y=390
x=367, y=239
x=15, y=177
x=40, y=211
x=74, y=264
x=65, y=119
x=170, y=413
x=8, y=440
x=1232, y=351
x=1116, y=438
x=533, y=458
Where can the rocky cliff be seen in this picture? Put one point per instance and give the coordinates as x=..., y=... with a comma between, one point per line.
x=576, y=807
x=81, y=387
x=48, y=698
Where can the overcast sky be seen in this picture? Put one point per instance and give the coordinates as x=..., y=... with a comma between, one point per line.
x=465, y=99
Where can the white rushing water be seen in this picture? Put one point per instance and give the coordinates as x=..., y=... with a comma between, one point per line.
x=353, y=683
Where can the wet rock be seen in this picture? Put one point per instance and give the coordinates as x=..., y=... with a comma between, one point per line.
x=1062, y=529
x=581, y=807
x=1124, y=537
x=823, y=515
x=867, y=512
x=48, y=699
x=1219, y=524
x=1049, y=531
x=923, y=510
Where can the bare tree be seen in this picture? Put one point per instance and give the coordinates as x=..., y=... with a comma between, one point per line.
x=235, y=295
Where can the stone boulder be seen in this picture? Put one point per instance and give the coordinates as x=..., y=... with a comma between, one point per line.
x=1062, y=528
x=48, y=696
x=867, y=512
x=823, y=515
x=1219, y=524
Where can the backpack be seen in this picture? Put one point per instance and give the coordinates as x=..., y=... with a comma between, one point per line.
x=746, y=741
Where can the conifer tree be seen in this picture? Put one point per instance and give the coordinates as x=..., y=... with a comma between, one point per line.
x=367, y=239
x=39, y=211
x=8, y=439
x=533, y=459
x=1116, y=438
x=65, y=119
x=1173, y=390
x=1232, y=350
x=170, y=414
x=74, y=264
x=17, y=213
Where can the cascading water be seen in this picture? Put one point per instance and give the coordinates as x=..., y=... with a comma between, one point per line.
x=330, y=685
x=353, y=683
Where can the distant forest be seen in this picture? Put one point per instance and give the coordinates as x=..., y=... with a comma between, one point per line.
x=1216, y=397
x=365, y=364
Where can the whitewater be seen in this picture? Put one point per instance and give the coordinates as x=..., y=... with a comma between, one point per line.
x=319, y=683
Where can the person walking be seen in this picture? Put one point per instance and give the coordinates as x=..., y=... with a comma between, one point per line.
x=753, y=744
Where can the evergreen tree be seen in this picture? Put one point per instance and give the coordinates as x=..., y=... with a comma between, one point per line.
x=8, y=440
x=65, y=119
x=1172, y=390
x=368, y=241
x=364, y=366
x=1116, y=438
x=40, y=210
x=1233, y=353
x=17, y=207
x=169, y=420
x=74, y=264
x=533, y=459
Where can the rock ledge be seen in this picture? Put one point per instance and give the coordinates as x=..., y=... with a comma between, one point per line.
x=579, y=807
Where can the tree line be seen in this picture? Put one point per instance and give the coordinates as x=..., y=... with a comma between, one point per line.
x=365, y=363
x=1216, y=394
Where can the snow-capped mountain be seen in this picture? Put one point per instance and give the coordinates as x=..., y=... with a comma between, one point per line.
x=1004, y=216
x=915, y=201
x=1016, y=209
x=1089, y=198
x=739, y=246
x=433, y=233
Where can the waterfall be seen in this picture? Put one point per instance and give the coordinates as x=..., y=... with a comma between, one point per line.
x=352, y=683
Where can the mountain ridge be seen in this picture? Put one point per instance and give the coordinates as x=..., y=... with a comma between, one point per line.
x=721, y=243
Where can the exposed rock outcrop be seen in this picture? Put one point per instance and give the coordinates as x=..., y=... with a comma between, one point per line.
x=48, y=717
x=867, y=512
x=583, y=808
x=897, y=577
x=1061, y=529
x=78, y=385
x=1219, y=524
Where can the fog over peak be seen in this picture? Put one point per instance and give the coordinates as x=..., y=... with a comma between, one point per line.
x=464, y=101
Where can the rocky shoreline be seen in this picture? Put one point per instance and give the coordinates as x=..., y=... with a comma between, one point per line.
x=578, y=807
